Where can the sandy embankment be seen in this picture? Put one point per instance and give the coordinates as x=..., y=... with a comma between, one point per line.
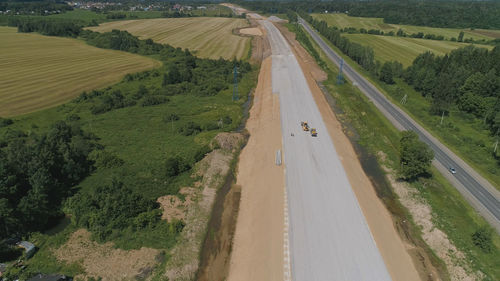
x=258, y=241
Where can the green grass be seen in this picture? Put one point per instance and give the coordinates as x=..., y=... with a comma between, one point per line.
x=343, y=21
x=40, y=71
x=206, y=37
x=403, y=49
x=451, y=212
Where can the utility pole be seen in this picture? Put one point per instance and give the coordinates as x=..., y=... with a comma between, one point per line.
x=340, y=77
x=496, y=143
x=235, y=88
x=403, y=100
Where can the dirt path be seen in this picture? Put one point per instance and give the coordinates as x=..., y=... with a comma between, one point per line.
x=258, y=242
x=393, y=249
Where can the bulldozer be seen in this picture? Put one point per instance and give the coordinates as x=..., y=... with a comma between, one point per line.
x=304, y=125
x=314, y=133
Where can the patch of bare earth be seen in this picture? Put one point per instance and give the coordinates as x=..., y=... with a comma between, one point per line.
x=258, y=242
x=103, y=260
x=196, y=207
x=251, y=31
x=455, y=260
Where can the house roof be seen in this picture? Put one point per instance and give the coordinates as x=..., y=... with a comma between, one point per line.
x=48, y=277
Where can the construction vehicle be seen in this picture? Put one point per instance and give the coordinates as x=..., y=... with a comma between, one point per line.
x=313, y=132
x=304, y=125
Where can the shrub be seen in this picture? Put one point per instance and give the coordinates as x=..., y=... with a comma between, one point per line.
x=482, y=239
x=171, y=117
x=200, y=154
x=150, y=100
x=190, y=128
x=175, y=166
x=105, y=159
x=4, y=122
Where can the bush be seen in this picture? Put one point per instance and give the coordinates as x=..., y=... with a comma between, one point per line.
x=73, y=117
x=201, y=153
x=109, y=208
x=175, y=166
x=4, y=122
x=105, y=159
x=171, y=117
x=150, y=100
x=482, y=239
x=190, y=128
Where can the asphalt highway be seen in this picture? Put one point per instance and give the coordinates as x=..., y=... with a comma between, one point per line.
x=329, y=238
x=477, y=190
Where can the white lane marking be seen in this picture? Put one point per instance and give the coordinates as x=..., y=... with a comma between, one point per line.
x=287, y=276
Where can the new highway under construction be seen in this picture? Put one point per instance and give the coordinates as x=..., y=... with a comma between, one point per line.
x=329, y=238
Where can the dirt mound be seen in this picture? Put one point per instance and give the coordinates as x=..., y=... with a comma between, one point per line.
x=251, y=31
x=184, y=260
x=103, y=260
x=175, y=208
x=229, y=141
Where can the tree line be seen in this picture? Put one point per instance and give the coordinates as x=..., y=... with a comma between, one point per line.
x=47, y=26
x=456, y=14
x=468, y=78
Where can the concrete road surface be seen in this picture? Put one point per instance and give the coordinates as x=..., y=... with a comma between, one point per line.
x=328, y=234
x=478, y=191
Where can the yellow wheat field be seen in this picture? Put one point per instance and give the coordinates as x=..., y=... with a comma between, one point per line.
x=205, y=37
x=40, y=71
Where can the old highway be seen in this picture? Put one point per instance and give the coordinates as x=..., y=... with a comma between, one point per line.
x=478, y=191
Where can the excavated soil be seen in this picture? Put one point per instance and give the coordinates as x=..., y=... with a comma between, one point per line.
x=258, y=243
x=197, y=208
x=103, y=260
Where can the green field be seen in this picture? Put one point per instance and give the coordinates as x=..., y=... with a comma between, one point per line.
x=40, y=71
x=403, y=49
x=206, y=37
x=343, y=21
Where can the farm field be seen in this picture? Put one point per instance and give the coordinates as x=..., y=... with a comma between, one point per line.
x=205, y=37
x=404, y=49
x=40, y=71
x=343, y=20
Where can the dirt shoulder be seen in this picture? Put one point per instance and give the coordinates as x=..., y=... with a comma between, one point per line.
x=391, y=246
x=258, y=242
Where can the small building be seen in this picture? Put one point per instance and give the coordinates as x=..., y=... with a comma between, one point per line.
x=50, y=277
x=201, y=7
x=28, y=247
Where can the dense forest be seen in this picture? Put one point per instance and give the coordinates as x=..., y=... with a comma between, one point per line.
x=467, y=77
x=37, y=172
x=483, y=14
x=40, y=173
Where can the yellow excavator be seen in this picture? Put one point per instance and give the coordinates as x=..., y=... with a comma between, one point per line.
x=304, y=125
